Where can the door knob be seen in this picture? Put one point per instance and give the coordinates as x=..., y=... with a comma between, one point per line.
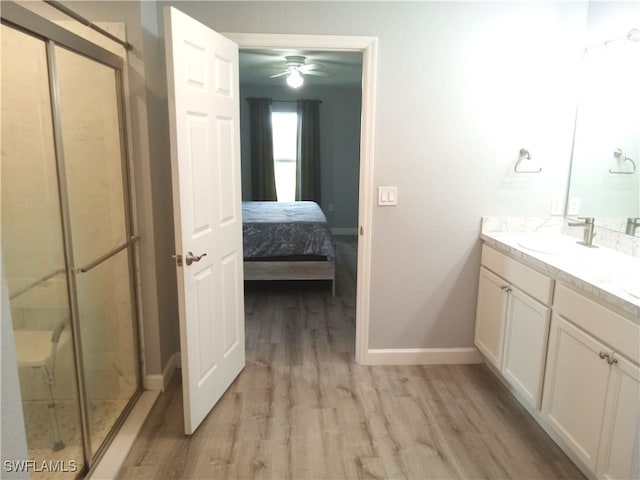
x=190, y=258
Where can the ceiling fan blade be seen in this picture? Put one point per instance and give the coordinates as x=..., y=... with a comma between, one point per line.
x=309, y=67
x=316, y=73
x=279, y=74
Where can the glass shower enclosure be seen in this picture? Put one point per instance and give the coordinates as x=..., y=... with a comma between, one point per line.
x=68, y=247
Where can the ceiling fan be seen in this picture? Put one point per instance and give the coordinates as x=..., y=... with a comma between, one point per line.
x=295, y=68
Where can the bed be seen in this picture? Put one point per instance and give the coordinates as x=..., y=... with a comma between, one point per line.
x=287, y=241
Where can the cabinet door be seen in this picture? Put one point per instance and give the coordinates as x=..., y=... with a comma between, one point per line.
x=620, y=448
x=525, y=345
x=575, y=388
x=490, y=316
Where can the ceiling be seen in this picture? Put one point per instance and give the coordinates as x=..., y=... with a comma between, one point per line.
x=343, y=69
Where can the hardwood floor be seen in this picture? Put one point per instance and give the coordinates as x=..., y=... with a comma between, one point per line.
x=302, y=409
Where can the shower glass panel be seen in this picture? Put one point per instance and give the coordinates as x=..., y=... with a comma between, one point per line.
x=96, y=179
x=92, y=153
x=33, y=256
x=108, y=350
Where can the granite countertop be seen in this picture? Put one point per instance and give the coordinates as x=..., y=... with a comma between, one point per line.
x=601, y=273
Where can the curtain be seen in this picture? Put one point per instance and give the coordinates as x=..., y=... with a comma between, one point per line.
x=308, y=161
x=263, y=181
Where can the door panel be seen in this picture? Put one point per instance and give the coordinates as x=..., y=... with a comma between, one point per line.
x=199, y=173
x=206, y=336
x=202, y=69
x=227, y=181
x=230, y=301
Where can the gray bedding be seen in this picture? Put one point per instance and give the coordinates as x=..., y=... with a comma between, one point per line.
x=285, y=229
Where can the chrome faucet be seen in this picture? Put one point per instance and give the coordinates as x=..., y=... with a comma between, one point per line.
x=588, y=225
x=632, y=225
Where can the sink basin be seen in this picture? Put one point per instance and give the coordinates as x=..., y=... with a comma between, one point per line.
x=541, y=243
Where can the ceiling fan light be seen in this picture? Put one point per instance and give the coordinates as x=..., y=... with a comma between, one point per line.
x=295, y=80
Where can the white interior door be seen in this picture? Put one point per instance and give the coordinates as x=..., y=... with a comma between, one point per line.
x=202, y=71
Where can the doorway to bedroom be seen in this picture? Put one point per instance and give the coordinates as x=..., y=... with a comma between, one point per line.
x=305, y=312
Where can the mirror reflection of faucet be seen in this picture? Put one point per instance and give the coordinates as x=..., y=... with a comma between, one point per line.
x=589, y=232
x=632, y=225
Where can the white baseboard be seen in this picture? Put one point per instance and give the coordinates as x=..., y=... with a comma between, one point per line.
x=160, y=382
x=422, y=356
x=344, y=231
x=381, y=356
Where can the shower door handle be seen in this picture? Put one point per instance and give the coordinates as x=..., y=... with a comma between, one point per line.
x=190, y=258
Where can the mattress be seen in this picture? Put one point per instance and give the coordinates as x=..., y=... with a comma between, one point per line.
x=296, y=230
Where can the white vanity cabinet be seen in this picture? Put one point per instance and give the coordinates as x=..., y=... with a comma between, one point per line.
x=592, y=385
x=512, y=321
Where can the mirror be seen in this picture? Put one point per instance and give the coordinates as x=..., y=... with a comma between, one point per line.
x=605, y=176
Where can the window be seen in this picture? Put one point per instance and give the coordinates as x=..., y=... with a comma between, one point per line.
x=285, y=131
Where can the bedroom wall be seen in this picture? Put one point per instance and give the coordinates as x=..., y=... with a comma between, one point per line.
x=461, y=87
x=339, y=146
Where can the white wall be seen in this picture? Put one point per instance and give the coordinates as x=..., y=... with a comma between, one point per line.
x=461, y=87
x=339, y=146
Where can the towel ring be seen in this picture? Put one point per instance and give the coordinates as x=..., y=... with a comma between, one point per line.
x=524, y=155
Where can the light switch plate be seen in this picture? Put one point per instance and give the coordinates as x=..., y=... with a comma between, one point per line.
x=387, y=196
x=574, y=206
x=556, y=206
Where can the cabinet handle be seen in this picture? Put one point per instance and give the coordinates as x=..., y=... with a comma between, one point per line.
x=612, y=360
x=604, y=355
x=508, y=290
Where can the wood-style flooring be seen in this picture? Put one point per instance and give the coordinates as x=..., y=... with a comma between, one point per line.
x=302, y=409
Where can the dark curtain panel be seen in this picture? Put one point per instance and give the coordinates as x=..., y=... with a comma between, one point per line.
x=308, y=171
x=263, y=181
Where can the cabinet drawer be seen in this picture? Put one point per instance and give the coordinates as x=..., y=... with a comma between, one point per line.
x=527, y=279
x=618, y=332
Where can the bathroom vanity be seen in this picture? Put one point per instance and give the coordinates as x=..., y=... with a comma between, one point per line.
x=559, y=324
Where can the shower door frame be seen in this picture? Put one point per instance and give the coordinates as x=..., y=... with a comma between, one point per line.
x=53, y=35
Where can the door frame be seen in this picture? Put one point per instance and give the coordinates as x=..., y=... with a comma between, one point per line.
x=368, y=46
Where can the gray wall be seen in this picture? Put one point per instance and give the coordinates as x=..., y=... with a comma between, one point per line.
x=461, y=87
x=339, y=146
